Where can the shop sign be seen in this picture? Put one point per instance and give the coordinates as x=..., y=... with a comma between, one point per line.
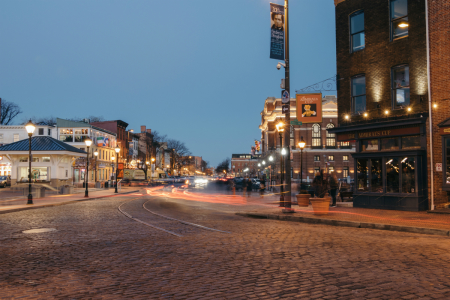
x=309, y=108
x=377, y=133
x=444, y=131
x=439, y=167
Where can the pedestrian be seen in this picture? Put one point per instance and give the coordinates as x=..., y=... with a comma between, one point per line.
x=249, y=187
x=333, y=187
x=262, y=186
x=317, y=185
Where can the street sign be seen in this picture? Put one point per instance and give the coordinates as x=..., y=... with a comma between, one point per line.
x=285, y=96
x=295, y=122
x=439, y=167
x=285, y=109
x=282, y=85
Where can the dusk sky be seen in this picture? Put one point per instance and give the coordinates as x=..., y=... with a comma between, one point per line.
x=198, y=71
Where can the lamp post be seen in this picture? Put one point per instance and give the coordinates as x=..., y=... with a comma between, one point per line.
x=302, y=145
x=96, y=167
x=30, y=129
x=280, y=129
x=117, y=149
x=88, y=143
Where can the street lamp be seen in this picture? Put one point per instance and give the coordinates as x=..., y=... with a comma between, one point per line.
x=30, y=129
x=117, y=149
x=280, y=129
x=95, y=173
x=302, y=145
x=88, y=143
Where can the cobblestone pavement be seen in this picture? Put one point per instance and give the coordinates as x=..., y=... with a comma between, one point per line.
x=98, y=253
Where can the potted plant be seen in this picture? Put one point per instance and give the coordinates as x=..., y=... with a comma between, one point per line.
x=321, y=205
x=303, y=198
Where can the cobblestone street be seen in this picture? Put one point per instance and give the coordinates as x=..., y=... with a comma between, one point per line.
x=97, y=252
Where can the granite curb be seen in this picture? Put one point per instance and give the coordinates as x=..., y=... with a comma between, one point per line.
x=411, y=229
x=62, y=203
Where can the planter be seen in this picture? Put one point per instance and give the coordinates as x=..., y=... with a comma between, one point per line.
x=320, y=205
x=303, y=199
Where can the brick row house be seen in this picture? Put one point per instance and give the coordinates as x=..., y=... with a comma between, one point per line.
x=322, y=151
x=387, y=101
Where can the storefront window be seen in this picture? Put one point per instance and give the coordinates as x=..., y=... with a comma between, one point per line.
x=408, y=178
x=411, y=142
x=66, y=138
x=37, y=174
x=369, y=145
x=390, y=144
x=392, y=175
x=363, y=175
x=377, y=177
x=23, y=159
x=447, y=175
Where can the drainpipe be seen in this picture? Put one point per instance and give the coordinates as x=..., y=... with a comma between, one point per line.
x=429, y=106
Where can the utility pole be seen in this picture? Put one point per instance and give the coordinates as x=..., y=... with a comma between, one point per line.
x=287, y=132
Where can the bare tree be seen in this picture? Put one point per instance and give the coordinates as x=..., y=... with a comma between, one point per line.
x=9, y=111
x=158, y=138
x=180, y=147
x=223, y=166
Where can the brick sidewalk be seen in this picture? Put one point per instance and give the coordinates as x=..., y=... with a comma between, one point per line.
x=20, y=204
x=359, y=215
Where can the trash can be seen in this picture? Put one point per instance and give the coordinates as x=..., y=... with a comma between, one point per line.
x=106, y=184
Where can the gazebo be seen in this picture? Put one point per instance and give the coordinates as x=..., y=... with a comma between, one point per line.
x=51, y=160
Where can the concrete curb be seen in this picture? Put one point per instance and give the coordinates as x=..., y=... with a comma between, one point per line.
x=61, y=203
x=400, y=228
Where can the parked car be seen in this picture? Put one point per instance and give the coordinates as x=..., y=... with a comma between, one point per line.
x=5, y=181
x=256, y=184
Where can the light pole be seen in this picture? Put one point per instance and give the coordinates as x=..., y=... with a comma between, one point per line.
x=88, y=143
x=302, y=145
x=117, y=149
x=30, y=129
x=146, y=169
x=96, y=166
x=280, y=129
x=270, y=174
x=287, y=118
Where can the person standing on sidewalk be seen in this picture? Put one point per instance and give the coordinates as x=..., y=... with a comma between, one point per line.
x=262, y=186
x=249, y=187
x=333, y=187
x=317, y=185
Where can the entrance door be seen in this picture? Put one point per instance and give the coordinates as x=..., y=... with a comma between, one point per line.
x=77, y=175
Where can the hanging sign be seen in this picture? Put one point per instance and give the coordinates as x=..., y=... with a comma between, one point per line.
x=276, y=31
x=309, y=108
x=284, y=97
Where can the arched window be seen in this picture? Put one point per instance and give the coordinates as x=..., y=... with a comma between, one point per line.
x=316, y=136
x=331, y=137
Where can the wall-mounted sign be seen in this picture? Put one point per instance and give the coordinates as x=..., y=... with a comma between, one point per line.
x=276, y=31
x=285, y=109
x=439, y=167
x=377, y=133
x=309, y=108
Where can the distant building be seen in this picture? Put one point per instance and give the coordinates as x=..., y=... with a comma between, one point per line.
x=245, y=165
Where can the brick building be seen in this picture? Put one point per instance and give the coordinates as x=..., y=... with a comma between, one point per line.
x=241, y=162
x=386, y=99
x=321, y=152
x=119, y=127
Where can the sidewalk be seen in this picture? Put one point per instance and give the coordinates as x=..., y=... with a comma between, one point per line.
x=418, y=222
x=17, y=204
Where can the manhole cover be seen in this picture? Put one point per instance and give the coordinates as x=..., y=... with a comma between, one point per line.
x=39, y=230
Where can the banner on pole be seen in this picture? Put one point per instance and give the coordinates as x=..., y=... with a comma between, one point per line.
x=276, y=31
x=309, y=108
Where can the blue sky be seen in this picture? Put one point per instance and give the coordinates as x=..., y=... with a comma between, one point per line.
x=198, y=71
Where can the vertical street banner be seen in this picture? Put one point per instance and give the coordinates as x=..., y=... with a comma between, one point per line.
x=309, y=108
x=276, y=31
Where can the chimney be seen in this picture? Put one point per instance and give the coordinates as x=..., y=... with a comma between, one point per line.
x=143, y=128
x=149, y=131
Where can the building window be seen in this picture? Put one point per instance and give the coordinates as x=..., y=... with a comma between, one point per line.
x=399, y=18
x=446, y=156
x=369, y=145
x=81, y=135
x=49, y=132
x=316, y=136
x=362, y=179
x=410, y=142
x=330, y=157
x=23, y=159
x=345, y=145
x=376, y=178
x=316, y=157
x=345, y=172
x=357, y=36
x=359, y=94
x=41, y=131
x=1, y=138
x=392, y=175
x=345, y=157
x=331, y=137
x=35, y=159
x=390, y=144
x=330, y=170
x=316, y=170
x=16, y=137
x=46, y=159
x=400, y=86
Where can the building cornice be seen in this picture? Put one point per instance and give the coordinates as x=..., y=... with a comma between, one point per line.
x=336, y=2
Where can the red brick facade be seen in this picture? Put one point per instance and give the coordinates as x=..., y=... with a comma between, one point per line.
x=439, y=40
